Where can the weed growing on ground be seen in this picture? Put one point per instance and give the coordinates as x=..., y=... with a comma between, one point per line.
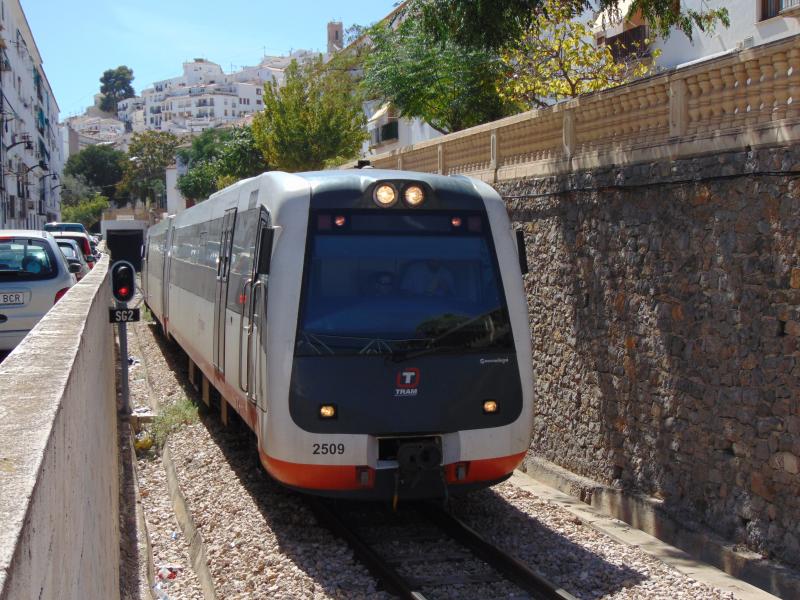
x=173, y=417
x=147, y=315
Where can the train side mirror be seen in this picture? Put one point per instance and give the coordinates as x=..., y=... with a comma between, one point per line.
x=522, y=252
x=265, y=251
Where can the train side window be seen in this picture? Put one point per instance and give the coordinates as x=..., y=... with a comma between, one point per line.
x=241, y=259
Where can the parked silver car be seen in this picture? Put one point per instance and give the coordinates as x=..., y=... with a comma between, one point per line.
x=34, y=275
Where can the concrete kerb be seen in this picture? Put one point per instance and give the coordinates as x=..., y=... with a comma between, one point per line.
x=197, y=548
x=611, y=510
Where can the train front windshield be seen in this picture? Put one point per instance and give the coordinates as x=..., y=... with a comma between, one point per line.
x=401, y=284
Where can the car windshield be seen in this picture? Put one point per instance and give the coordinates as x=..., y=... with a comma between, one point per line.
x=65, y=227
x=25, y=259
x=68, y=250
x=82, y=242
x=405, y=288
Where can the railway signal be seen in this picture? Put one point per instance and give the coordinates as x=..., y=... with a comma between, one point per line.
x=123, y=281
x=123, y=287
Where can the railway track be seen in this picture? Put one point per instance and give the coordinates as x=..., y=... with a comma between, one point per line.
x=422, y=552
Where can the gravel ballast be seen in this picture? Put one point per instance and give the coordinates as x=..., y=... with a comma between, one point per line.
x=263, y=541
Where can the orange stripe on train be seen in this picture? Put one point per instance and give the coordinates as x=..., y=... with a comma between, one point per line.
x=346, y=477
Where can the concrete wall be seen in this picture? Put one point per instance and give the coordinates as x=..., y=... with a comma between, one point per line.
x=665, y=308
x=59, y=510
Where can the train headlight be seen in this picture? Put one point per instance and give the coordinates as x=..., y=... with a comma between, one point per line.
x=327, y=411
x=414, y=195
x=490, y=407
x=385, y=195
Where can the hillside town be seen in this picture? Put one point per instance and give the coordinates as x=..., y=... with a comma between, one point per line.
x=416, y=299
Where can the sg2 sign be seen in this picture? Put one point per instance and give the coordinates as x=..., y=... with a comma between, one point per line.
x=123, y=315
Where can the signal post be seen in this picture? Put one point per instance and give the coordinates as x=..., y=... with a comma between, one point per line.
x=123, y=288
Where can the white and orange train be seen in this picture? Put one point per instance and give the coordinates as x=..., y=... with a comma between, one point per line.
x=370, y=326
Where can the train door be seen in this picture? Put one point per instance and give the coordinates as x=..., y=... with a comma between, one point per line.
x=221, y=297
x=257, y=313
x=166, y=254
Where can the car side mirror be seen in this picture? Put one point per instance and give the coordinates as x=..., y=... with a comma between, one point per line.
x=74, y=267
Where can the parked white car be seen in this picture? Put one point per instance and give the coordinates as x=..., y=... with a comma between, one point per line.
x=34, y=275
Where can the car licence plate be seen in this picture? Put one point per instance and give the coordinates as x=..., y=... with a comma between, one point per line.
x=12, y=298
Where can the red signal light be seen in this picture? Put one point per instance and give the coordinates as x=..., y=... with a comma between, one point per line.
x=123, y=282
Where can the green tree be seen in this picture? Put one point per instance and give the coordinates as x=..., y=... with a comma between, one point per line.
x=88, y=211
x=447, y=85
x=557, y=58
x=314, y=120
x=239, y=156
x=205, y=146
x=99, y=167
x=499, y=23
x=219, y=159
x=115, y=85
x=199, y=182
x=75, y=190
x=149, y=154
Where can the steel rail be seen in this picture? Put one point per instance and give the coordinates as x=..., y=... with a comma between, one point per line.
x=377, y=565
x=406, y=587
x=510, y=566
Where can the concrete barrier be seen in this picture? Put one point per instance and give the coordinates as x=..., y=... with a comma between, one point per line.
x=59, y=500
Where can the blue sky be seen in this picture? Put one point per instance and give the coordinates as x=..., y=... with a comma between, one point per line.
x=79, y=39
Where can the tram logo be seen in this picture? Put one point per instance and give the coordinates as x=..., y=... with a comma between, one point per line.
x=407, y=383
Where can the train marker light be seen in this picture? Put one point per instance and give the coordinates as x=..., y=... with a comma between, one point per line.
x=455, y=221
x=327, y=411
x=489, y=407
x=340, y=221
x=414, y=195
x=123, y=281
x=385, y=195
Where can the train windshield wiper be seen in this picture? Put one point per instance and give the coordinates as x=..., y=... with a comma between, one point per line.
x=434, y=344
x=325, y=343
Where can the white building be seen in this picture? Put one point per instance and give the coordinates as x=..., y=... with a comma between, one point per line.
x=91, y=130
x=31, y=153
x=753, y=22
x=131, y=112
x=205, y=96
x=387, y=130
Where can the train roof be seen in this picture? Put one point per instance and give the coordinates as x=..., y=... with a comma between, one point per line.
x=280, y=188
x=360, y=179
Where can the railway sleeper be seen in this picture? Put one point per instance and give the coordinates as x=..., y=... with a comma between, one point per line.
x=410, y=559
x=434, y=581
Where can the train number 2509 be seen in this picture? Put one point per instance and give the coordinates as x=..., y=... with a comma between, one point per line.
x=328, y=448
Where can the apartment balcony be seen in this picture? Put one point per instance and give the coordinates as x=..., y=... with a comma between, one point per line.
x=383, y=134
x=631, y=44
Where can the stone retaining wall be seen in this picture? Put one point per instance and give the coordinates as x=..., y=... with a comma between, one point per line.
x=665, y=313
